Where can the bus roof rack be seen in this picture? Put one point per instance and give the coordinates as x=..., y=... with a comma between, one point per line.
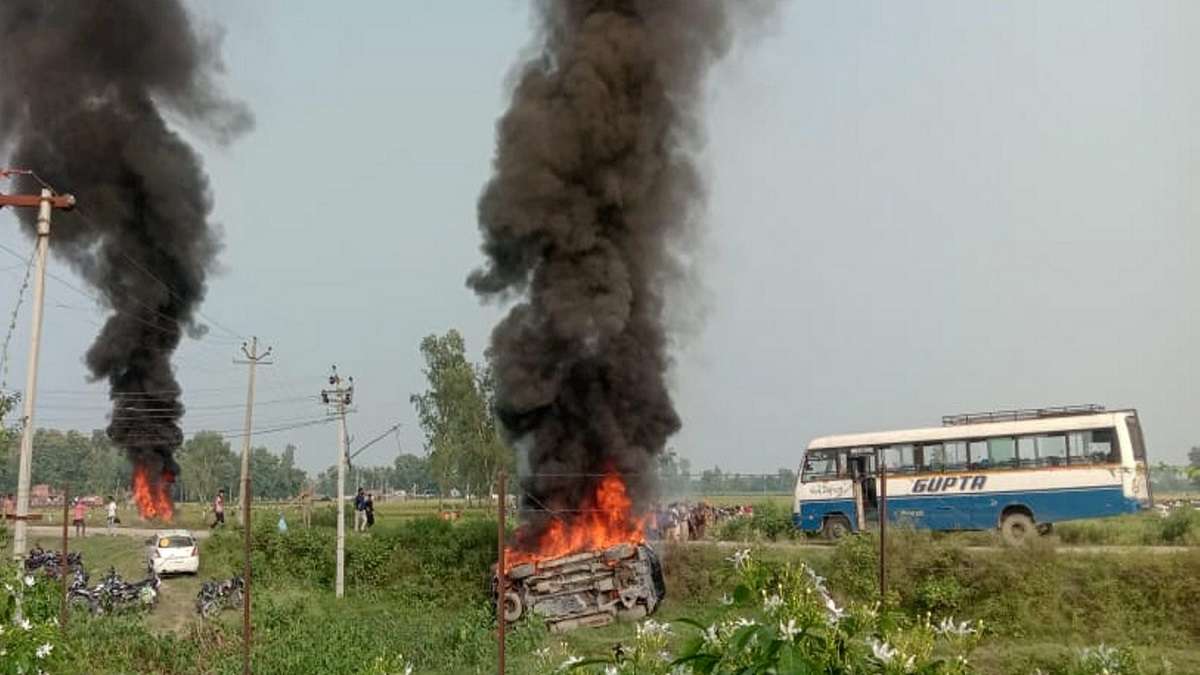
x=1022, y=414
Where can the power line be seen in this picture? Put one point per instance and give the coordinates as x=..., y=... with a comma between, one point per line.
x=12, y=324
x=162, y=283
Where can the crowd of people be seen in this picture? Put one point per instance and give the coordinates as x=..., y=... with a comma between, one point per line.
x=681, y=521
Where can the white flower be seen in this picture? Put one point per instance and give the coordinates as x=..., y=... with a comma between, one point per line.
x=666, y=656
x=711, y=636
x=652, y=628
x=571, y=660
x=8, y=588
x=726, y=599
x=29, y=581
x=772, y=603
x=883, y=652
x=832, y=611
x=948, y=627
x=610, y=670
x=44, y=651
x=789, y=630
x=740, y=558
x=542, y=653
x=743, y=621
x=25, y=625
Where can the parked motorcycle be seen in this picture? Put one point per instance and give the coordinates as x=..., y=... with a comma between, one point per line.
x=217, y=595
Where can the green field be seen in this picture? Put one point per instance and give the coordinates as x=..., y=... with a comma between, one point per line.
x=417, y=590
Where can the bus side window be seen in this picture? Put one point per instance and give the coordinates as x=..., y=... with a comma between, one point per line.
x=1027, y=451
x=932, y=457
x=977, y=454
x=899, y=458
x=1096, y=446
x=1002, y=453
x=956, y=455
x=1052, y=449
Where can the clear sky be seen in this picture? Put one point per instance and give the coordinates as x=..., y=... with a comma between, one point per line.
x=915, y=209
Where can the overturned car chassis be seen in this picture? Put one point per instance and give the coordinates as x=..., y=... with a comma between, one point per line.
x=591, y=588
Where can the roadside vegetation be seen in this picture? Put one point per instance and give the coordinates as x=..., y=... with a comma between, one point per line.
x=418, y=595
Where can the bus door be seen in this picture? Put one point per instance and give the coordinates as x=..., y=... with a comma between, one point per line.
x=866, y=498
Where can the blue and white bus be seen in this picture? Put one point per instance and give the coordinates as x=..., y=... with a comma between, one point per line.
x=1019, y=471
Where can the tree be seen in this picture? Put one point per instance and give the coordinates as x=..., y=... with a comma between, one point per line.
x=1194, y=464
x=413, y=474
x=461, y=437
x=207, y=465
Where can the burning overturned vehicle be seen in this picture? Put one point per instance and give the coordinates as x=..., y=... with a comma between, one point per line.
x=589, y=570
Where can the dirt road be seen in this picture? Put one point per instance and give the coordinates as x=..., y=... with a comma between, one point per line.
x=48, y=531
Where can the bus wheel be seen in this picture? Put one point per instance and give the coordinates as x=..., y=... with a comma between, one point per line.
x=1017, y=527
x=835, y=527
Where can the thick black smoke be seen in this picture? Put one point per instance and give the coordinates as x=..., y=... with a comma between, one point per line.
x=594, y=198
x=83, y=90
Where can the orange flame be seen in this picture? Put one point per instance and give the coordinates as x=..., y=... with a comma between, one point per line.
x=604, y=520
x=153, y=497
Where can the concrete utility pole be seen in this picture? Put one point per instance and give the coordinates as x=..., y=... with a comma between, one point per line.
x=45, y=203
x=340, y=396
x=253, y=359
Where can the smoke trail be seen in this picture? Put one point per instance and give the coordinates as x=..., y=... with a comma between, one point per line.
x=83, y=91
x=594, y=195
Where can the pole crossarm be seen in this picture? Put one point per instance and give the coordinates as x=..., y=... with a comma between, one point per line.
x=60, y=202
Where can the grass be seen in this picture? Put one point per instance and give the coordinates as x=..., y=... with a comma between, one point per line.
x=417, y=586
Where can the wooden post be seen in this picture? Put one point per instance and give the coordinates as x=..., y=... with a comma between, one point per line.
x=501, y=572
x=246, y=581
x=882, y=527
x=62, y=613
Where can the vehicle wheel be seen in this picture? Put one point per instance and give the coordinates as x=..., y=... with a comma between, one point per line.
x=513, y=606
x=209, y=609
x=1017, y=527
x=835, y=527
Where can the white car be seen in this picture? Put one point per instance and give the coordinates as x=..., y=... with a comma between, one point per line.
x=174, y=551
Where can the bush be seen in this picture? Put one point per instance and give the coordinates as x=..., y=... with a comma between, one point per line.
x=1181, y=526
x=771, y=521
x=426, y=558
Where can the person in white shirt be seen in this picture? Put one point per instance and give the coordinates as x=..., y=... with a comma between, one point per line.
x=111, y=515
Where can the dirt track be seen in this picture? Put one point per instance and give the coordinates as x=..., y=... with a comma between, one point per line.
x=49, y=531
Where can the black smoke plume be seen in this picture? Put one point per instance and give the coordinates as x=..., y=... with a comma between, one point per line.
x=84, y=87
x=586, y=220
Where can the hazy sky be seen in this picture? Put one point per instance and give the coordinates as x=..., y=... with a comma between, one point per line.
x=915, y=209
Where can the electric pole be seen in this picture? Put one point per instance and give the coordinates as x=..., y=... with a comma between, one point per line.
x=340, y=396
x=46, y=202
x=253, y=359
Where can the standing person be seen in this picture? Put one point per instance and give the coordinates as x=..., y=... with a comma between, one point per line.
x=370, y=509
x=360, y=511
x=80, y=512
x=306, y=497
x=110, y=515
x=219, y=509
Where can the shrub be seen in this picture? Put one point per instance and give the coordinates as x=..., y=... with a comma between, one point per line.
x=782, y=619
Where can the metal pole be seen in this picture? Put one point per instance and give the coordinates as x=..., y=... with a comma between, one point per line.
x=341, y=493
x=253, y=358
x=243, y=499
x=882, y=529
x=62, y=612
x=20, y=532
x=246, y=574
x=501, y=572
